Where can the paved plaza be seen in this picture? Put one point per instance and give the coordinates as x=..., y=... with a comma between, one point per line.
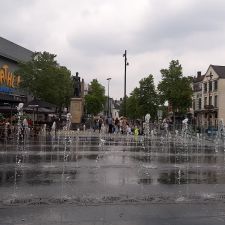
x=89, y=178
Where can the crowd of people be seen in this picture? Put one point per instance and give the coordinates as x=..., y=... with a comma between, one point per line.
x=119, y=125
x=122, y=125
x=8, y=126
x=100, y=124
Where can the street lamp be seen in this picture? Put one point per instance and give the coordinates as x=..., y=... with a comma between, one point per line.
x=125, y=80
x=108, y=79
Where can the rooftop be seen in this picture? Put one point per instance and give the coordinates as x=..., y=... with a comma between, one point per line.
x=13, y=51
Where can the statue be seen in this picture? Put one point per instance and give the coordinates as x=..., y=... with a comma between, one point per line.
x=76, y=85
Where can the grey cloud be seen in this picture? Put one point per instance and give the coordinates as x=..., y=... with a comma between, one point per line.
x=91, y=36
x=98, y=44
x=175, y=28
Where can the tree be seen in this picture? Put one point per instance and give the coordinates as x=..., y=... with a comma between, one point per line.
x=122, y=110
x=95, y=99
x=133, y=109
x=143, y=99
x=175, y=88
x=148, y=100
x=44, y=78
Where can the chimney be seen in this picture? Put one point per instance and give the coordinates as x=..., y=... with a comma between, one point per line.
x=199, y=74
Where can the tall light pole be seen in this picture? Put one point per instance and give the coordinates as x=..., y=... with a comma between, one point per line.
x=125, y=82
x=108, y=79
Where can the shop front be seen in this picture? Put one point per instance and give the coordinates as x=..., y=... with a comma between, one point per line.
x=10, y=94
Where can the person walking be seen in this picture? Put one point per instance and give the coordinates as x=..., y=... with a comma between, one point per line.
x=110, y=124
x=100, y=122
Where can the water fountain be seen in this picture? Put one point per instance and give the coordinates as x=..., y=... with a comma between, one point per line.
x=20, y=137
x=184, y=127
x=146, y=125
x=53, y=129
x=83, y=168
x=26, y=130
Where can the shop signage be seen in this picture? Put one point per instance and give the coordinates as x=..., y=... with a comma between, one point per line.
x=8, y=81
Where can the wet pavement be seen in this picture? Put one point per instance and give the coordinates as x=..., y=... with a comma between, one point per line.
x=128, y=214
x=92, y=179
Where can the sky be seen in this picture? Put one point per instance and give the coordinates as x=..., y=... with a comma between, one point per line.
x=91, y=36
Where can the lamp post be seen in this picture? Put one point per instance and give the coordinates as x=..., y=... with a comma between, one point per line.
x=125, y=81
x=108, y=79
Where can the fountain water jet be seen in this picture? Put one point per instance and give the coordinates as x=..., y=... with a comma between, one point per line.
x=20, y=136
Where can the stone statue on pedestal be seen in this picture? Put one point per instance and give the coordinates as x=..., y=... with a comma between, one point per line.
x=76, y=86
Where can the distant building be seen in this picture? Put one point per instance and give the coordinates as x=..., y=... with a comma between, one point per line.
x=116, y=109
x=209, y=95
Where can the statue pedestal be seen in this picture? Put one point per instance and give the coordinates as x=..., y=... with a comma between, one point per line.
x=76, y=110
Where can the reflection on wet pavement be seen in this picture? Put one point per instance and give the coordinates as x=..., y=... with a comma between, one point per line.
x=83, y=167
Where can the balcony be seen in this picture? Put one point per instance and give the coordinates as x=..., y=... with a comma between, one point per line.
x=209, y=107
x=197, y=89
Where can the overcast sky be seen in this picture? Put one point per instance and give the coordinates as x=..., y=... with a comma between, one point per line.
x=90, y=36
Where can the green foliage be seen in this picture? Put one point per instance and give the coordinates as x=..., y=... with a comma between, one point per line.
x=1, y=117
x=143, y=99
x=175, y=88
x=148, y=97
x=95, y=99
x=133, y=109
x=44, y=78
x=122, y=110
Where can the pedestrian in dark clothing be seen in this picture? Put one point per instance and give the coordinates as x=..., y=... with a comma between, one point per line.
x=110, y=124
x=100, y=124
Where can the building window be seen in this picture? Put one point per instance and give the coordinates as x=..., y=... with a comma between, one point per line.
x=210, y=100
x=210, y=85
x=205, y=101
x=215, y=101
x=199, y=103
x=215, y=85
x=197, y=87
x=205, y=87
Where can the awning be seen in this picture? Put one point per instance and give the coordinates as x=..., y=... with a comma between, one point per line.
x=38, y=110
x=6, y=98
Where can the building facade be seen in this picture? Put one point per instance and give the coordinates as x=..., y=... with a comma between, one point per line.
x=208, y=98
x=10, y=56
